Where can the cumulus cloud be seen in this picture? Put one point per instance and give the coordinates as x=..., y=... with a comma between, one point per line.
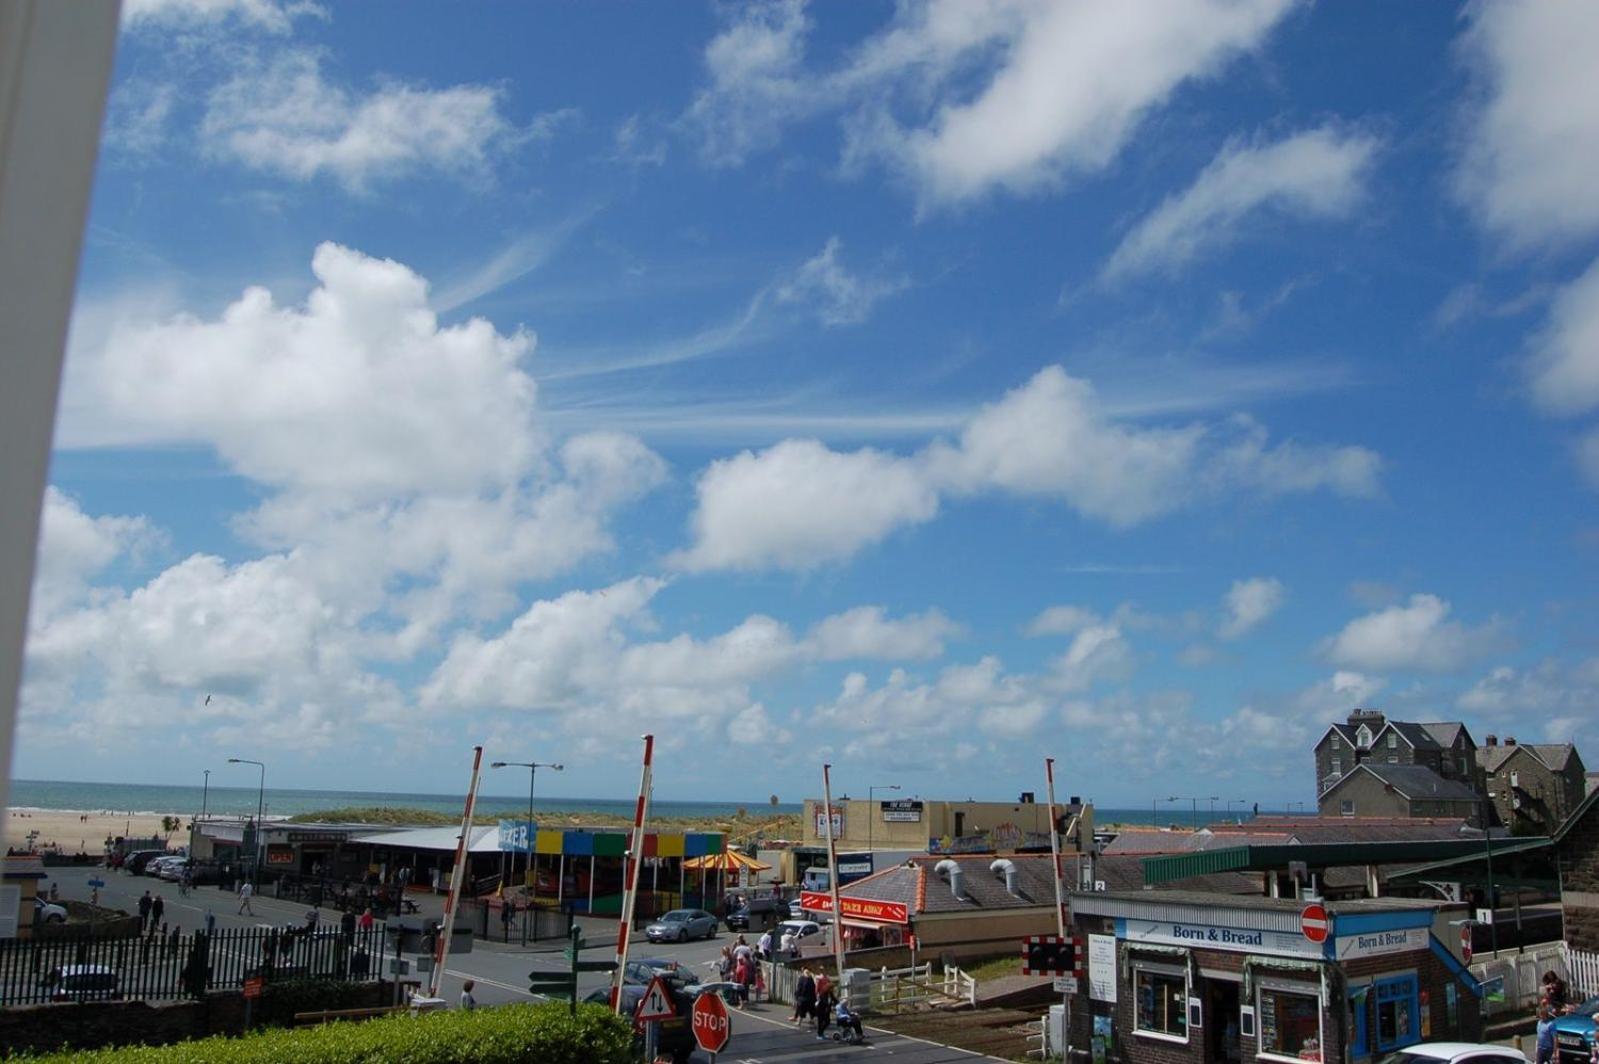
x=361, y=369
x=1564, y=368
x=285, y=117
x=967, y=98
x=1097, y=653
x=1534, y=128
x=1417, y=635
x=800, y=504
x=1062, y=620
x=1248, y=603
x=75, y=547
x=838, y=296
x=1319, y=174
x=865, y=632
x=271, y=16
x=1548, y=689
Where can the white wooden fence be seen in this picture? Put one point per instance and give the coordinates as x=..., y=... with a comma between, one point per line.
x=1582, y=971
x=1522, y=971
x=892, y=989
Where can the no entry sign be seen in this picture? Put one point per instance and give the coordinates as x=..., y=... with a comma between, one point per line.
x=711, y=1026
x=1313, y=922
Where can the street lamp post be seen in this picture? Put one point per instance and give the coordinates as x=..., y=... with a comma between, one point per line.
x=1230, y=801
x=871, y=812
x=532, y=772
x=260, y=809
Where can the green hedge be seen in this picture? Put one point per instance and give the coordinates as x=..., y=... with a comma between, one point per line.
x=510, y=1034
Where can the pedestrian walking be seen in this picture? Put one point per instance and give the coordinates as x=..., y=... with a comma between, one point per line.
x=246, y=892
x=804, y=996
x=743, y=975
x=826, y=1002
x=468, y=1002
x=157, y=908
x=786, y=946
x=347, y=926
x=366, y=921
x=145, y=902
x=210, y=921
x=741, y=950
x=507, y=917
x=763, y=945
x=1546, y=1033
x=724, y=964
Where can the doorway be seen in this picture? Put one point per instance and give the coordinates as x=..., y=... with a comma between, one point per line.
x=1221, y=1022
x=960, y=824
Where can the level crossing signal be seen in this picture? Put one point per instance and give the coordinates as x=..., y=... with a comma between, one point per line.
x=1049, y=955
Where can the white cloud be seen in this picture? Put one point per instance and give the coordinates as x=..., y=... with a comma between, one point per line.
x=272, y=16
x=1548, y=689
x=1564, y=368
x=754, y=66
x=1417, y=635
x=1096, y=654
x=1062, y=620
x=864, y=632
x=362, y=370
x=1248, y=603
x=74, y=547
x=285, y=117
x=1534, y=137
x=800, y=504
x=753, y=726
x=1319, y=174
x=1588, y=456
x=840, y=298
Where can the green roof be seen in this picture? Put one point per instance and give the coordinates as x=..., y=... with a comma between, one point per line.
x=1169, y=868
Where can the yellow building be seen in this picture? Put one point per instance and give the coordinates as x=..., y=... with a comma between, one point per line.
x=945, y=827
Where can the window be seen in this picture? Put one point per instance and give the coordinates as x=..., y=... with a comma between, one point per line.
x=1161, y=1002
x=1515, y=779
x=1335, y=742
x=1393, y=741
x=1363, y=736
x=1346, y=807
x=1337, y=766
x=1396, y=1012
x=1393, y=761
x=1290, y=1022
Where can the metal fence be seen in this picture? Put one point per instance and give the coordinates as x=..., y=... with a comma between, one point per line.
x=168, y=967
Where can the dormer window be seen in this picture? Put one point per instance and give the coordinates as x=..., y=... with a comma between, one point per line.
x=1363, y=737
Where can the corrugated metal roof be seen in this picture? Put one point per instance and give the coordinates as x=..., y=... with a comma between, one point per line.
x=484, y=839
x=1172, y=867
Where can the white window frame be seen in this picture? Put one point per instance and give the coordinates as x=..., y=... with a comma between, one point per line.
x=1155, y=968
x=1337, y=766
x=1346, y=807
x=1393, y=740
x=1288, y=986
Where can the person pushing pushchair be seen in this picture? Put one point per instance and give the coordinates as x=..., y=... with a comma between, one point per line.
x=848, y=1022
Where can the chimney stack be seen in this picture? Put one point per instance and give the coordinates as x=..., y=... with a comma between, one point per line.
x=1510, y=740
x=1493, y=740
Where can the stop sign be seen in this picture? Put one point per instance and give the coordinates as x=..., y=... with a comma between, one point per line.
x=712, y=1028
x=1313, y=922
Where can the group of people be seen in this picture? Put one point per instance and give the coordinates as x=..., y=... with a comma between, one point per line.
x=737, y=965
x=814, y=996
x=785, y=945
x=1554, y=1001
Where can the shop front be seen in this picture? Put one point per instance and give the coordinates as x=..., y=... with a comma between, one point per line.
x=1217, y=978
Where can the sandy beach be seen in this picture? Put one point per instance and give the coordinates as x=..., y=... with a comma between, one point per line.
x=82, y=831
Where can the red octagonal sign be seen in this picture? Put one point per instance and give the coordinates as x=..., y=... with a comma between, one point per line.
x=712, y=1028
x=1313, y=922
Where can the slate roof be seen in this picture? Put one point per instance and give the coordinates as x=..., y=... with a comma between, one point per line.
x=1418, y=782
x=1492, y=757
x=1555, y=755
x=1445, y=732
x=1417, y=735
x=1146, y=840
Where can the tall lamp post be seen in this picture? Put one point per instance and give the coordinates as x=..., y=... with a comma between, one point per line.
x=260, y=808
x=871, y=812
x=532, y=771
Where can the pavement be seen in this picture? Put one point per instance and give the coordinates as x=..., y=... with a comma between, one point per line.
x=761, y=1033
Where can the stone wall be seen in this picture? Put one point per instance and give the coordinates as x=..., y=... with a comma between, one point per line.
x=90, y=1025
x=1579, y=874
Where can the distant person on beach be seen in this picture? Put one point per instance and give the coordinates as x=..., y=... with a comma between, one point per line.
x=145, y=902
x=246, y=892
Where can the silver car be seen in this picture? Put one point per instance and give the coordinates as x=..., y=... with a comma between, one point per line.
x=680, y=925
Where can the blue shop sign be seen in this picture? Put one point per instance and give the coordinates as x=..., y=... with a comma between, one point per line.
x=516, y=836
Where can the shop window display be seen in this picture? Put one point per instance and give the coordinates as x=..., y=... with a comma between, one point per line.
x=1396, y=1012
x=1290, y=1024
x=1162, y=1002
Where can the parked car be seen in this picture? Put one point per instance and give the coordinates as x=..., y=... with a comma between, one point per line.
x=1574, y=1032
x=794, y=910
x=136, y=861
x=757, y=913
x=640, y=972
x=680, y=925
x=165, y=867
x=83, y=982
x=676, y=1034
x=48, y=913
x=1456, y=1053
x=801, y=929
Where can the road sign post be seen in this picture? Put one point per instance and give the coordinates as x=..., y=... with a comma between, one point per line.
x=564, y=984
x=712, y=1028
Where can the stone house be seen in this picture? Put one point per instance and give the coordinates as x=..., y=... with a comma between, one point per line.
x=1445, y=748
x=1576, y=850
x=1533, y=788
x=1400, y=791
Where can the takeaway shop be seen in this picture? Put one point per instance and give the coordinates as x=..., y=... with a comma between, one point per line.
x=1190, y=976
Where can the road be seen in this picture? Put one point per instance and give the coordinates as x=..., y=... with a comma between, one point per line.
x=761, y=1033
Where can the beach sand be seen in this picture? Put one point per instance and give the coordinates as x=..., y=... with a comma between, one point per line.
x=68, y=828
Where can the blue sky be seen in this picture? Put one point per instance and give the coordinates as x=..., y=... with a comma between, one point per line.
x=924, y=388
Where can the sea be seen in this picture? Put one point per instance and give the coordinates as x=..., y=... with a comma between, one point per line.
x=135, y=798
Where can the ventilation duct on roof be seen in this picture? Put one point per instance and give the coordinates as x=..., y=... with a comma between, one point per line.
x=1007, y=869
x=951, y=871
